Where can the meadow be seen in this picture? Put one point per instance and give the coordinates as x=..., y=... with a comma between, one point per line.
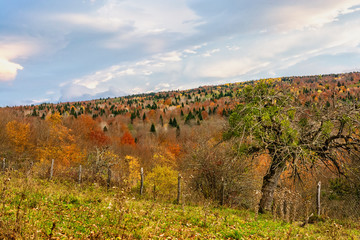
x=33, y=208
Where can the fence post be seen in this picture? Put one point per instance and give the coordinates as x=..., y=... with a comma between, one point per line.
x=141, y=181
x=154, y=192
x=51, y=169
x=222, y=191
x=30, y=168
x=109, y=177
x=80, y=169
x=318, y=203
x=179, y=189
x=4, y=164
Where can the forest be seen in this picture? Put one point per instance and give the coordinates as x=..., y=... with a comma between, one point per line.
x=278, y=149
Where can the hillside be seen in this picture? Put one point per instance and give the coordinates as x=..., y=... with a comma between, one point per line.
x=120, y=150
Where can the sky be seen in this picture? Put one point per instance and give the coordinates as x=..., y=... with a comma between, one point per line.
x=72, y=50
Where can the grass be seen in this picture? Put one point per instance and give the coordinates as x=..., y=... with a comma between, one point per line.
x=41, y=209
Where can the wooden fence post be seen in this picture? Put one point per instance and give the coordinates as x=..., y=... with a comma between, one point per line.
x=4, y=164
x=109, y=177
x=80, y=169
x=318, y=203
x=222, y=192
x=51, y=169
x=30, y=168
x=141, y=181
x=179, y=189
x=154, y=192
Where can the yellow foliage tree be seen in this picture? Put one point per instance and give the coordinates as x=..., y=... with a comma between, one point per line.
x=19, y=135
x=163, y=180
x=134, y=170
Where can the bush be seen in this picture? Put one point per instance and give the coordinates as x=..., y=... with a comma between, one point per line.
x=217, y=173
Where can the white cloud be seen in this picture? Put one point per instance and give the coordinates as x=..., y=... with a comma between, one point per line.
x=8, y=70
x=92, y=81
x=12, y=49
x=173, y=56
x=193, y=49
x=233, y=48
x=227, y=68
x=130, y=76
x=268, y=53
x=162, y=87
x=140, y=17
x=38, y=101
x=300, y=15
x=127, y=23
x=189, y=51
x=211, y=52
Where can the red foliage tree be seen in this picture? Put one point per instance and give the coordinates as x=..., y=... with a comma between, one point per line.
x=127, y=139
x=98, y=137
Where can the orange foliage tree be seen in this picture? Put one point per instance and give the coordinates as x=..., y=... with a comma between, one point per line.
x=60, y=144
x=19, y=135
x=89, y=128
x=127, y=139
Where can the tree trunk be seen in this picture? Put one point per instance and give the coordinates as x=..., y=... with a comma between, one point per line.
x=270, y=182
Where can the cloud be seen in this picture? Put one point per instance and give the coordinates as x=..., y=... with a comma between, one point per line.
x=226, y=68
x=73, y=92
x=211, y=52
x=93, y=48
x=38, y=101
x=8, y=70
x=164, y=67
x=242, y=59
x=308, y=14
x=232, y=17
x=129, y=20
x=13, y=49
x=173, y=56
x=92, y=81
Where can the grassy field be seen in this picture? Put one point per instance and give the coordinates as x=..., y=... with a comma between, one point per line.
x=41, y=209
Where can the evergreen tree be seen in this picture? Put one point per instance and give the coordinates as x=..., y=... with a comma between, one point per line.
x=138, y=114
x=144, y=117
x=152, y=128
x=132, y=117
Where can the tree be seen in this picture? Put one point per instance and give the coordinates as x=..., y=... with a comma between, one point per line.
x=152, y=128
x=163, y=180
x=271, y=121
x=60, y=144
x=127, y=139
x=134, y=170
x=19, y=135
x=144, y=117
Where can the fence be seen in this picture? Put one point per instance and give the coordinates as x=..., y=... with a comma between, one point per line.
x=285, y=203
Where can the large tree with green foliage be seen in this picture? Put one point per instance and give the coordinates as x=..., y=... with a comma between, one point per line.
x=270, y=120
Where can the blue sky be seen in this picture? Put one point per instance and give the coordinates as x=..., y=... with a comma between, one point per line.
x=73, y=50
